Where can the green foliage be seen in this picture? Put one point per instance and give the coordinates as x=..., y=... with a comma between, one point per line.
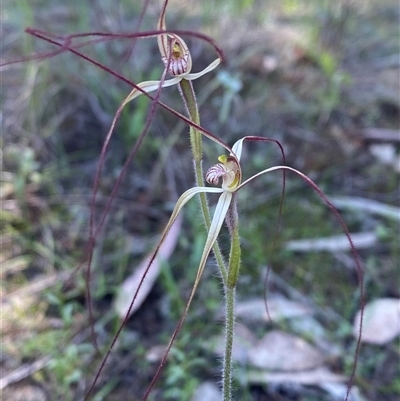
x=180, y=374
x=67, y=368
x=44, y=342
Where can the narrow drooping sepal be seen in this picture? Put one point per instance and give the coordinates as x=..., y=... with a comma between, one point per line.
x=184, y=198
x=150, y=86
x=215, y=227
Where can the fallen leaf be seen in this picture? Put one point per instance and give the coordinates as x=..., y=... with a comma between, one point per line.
x=207, y=392
x=381, y=321
x=335, y=243
x=378, y=134
x=365, y=205
x=308, y=377
x=338, y=391
x=310, y=328
x=384, y=152
x=279, y=308
x=24, y=392
x=21, y=373
x=130, y=285
x=156, y=353
x=278, y=350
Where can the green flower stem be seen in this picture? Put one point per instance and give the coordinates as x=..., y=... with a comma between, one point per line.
x=232, y=221
x=189, y=98
x=229, y=327
x=230, y=276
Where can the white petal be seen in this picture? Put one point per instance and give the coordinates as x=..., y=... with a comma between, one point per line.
x=186, y=196
x=150, y=86
x=181, y=202
x=237, y=148
x=219, y=215
x=213, y=65
x=215, y=227
x=162, y=40
x=268, y=170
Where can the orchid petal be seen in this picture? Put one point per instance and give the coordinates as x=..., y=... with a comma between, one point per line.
x=216, y=224
x=269, y=170
x=162, y=40
x=150, y=86
x=215, y=227
x=213, y=232
x=212, y=66
x=185, y=198
x=237, y=148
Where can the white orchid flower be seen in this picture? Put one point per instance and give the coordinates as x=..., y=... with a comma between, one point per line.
x=229, y=170
x=177, y=59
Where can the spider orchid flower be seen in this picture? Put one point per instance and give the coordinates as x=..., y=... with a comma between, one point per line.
x=229, y=170
x=177, y=59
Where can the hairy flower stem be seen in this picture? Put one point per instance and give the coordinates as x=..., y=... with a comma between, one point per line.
x=229, y=330
x=229, y=276
x=189, y=98
x=232, y=221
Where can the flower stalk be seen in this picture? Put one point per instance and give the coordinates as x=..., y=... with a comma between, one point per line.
x=232, y=221
x=180, y=60
x=229, y=333
x=229, y=278
x=189, y=98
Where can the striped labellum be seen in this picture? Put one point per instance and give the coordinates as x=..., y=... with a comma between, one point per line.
x=229, y=170
x=179, y=62
x=214, y=173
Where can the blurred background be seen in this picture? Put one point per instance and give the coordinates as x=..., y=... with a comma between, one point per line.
x=321, y=77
